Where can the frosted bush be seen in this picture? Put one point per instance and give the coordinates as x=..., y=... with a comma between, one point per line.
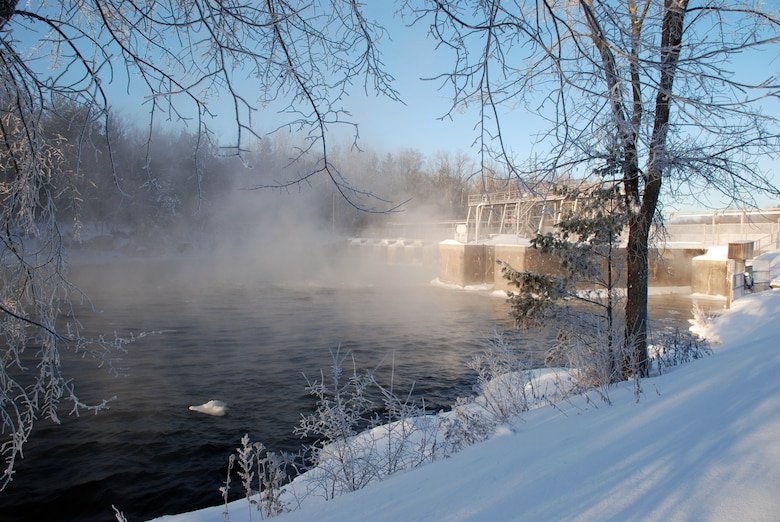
x=269, y=469
x=506, y=388
x=405, y=432
x=359, y=441
x=503, y=381
x=700, y=321
x=400, y=436
x=342, y=462
x=676, y=348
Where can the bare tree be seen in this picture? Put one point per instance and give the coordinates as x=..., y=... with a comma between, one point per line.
x=182, y=55
x=647, y=85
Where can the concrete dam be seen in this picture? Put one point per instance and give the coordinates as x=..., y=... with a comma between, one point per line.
x=714, y=253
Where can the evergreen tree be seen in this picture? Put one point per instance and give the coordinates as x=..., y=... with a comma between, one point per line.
x=581, y=295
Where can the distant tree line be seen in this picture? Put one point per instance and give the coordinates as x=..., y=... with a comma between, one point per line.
x=171, y=186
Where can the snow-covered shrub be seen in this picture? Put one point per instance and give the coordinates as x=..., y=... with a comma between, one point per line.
x=341, y=462
x=272, y=476
x=503, y=380
x=593, y=354
x=466, y=425
x=676, y=348
x=398, y=435
x=409, y=439
x=505, y=389
x=269, y=468
x=247, y=454
x=225, y=488
x=599, y=359
x=700, y=321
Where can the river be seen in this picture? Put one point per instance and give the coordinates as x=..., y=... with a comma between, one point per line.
x=247, y=337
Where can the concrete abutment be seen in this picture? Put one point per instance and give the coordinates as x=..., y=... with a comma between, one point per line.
x=466, y=264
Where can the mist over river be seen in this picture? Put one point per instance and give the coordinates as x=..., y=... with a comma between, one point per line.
x=242, y=334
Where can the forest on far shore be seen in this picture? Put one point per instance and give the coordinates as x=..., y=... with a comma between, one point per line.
x=116, y=182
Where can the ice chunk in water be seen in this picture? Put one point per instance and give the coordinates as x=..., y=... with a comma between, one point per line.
x=216, y=408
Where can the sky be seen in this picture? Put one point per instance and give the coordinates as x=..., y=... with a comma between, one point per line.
x=701, y=442
x=386, y=126
x=420, y=122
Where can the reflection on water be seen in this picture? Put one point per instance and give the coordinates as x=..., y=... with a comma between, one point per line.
x=247, y=341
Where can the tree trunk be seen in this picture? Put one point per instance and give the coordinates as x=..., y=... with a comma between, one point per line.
x=641, y=218
x=636, y=302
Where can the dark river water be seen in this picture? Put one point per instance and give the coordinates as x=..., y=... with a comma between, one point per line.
x=238, y=334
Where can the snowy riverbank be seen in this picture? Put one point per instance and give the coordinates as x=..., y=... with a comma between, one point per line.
x=702, y=443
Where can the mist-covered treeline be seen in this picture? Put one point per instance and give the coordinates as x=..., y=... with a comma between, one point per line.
x=116, y=183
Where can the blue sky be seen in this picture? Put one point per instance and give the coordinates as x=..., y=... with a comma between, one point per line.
x=410, y=55
x=387, y=126
x=421, y=122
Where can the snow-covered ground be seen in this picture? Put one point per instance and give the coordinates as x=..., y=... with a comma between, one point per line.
x=701, y=443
